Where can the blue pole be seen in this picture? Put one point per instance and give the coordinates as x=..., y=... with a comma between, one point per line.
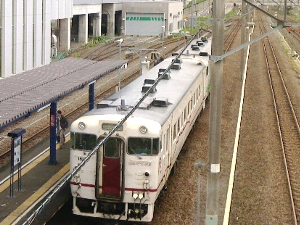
x=91, y=96
x=53, y=109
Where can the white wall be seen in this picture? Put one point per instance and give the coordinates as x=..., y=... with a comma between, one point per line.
x=86, y=9
x=61, y=9
x=26, y=33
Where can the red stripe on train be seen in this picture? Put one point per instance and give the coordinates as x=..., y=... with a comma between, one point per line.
x=126, y=189
x=83, y=185
x=140, y=189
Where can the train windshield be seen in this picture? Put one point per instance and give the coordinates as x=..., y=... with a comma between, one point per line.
x=143, y=146
x=83, y=141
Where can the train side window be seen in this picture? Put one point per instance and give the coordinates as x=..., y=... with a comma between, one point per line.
x=72, y=140
x=164, y=141
x=81, y=141
x=199, y=91
x=193, y=100
x=156, y=146
x=186, y=112
x=168, y=139
x=175, y=131
x=143, y=146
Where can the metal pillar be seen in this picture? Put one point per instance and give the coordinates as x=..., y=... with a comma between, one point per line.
x=199, y=165
x=53, y=109
x=192, y=14
x=179, y=36
x=163, y=39
x=91, y=95
x=120, y=55
x=285, y=10
x=298, y=9
x=243, y=38
x=215, y=114
x=141, y=55
x=141, y=58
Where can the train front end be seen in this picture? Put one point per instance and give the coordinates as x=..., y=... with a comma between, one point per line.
x=122, y=179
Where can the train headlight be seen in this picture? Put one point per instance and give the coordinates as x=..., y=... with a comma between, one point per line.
x=143, y=129
x=141, y=195
x=135, y=195
x=81, y=125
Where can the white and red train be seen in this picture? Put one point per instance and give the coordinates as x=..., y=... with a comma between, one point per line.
x=125, y=176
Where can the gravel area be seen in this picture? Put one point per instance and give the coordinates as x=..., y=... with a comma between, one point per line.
x=260, y=188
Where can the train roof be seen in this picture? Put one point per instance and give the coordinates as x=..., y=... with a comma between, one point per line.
x=158, y=105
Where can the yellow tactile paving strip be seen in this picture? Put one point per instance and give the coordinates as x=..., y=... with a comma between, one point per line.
x=23, y=207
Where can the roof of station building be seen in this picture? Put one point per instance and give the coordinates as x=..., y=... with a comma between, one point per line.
x=29, y=91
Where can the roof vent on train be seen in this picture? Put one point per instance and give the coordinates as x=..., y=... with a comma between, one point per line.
x=177, y=60
x=165, y=73
x=149, y=81
x=123, y=106
x=176, y=66
x=203, y=53
x=195, y=48
x=146, y=87
x=200, y=43
x=204, y=39
x=160, y=102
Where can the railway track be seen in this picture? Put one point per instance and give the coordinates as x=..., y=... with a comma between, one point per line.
x=228, y=41
x=288, y=125
x=291, y=34
x=37, y=127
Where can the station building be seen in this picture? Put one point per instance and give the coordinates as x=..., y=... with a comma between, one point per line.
x=32, y=32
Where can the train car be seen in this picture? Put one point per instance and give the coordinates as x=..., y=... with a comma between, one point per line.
x=130, y=168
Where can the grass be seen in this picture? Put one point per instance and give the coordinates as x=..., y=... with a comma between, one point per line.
x=76, y=53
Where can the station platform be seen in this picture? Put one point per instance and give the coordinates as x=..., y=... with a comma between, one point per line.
x=38, y=180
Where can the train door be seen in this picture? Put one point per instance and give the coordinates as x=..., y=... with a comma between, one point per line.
x=109, y=169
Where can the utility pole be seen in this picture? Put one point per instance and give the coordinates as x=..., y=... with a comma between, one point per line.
x=192, y=14
x=163, y=39
x=243, y=39
x=120, y=41
x=141, y=55
x=298, y=9
x=215, y=114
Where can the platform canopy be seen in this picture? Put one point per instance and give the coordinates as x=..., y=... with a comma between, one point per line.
x=27, y=92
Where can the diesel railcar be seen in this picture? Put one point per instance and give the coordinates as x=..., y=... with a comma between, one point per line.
x=125, y=176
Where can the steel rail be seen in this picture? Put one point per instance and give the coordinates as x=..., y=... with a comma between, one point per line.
x=231, y=36
x=276, y=109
